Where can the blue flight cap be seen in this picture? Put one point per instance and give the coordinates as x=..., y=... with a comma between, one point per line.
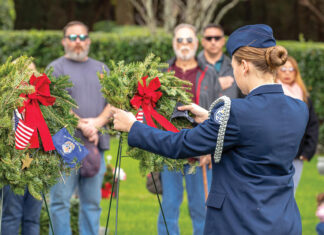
x=257, y=35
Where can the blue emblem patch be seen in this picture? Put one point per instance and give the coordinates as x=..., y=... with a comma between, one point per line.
x=219, y=115
x=68, y=147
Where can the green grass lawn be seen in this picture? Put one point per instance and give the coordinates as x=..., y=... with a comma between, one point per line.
x=311, y=184
x=138, y=209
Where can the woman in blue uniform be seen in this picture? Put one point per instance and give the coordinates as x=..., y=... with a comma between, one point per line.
x=256, y=140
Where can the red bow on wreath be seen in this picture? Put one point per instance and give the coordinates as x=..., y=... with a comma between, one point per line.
x=146, y=97
x=33, y=115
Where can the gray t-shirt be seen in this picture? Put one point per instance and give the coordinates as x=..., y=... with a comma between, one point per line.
x=86, y=90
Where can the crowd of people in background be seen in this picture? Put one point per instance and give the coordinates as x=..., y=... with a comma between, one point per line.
x=211, y=73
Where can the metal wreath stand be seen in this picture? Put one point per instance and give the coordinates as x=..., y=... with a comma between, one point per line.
x=118, y=162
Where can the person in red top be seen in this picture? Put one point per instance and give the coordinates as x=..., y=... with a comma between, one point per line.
x=204, y=89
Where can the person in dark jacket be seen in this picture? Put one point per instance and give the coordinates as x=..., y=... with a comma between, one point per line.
x=205, y=89
x=256, y=140
x=292, y=83
x=213, y=41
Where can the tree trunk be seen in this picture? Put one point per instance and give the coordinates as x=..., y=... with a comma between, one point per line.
x=170, y=12
x=124, y=12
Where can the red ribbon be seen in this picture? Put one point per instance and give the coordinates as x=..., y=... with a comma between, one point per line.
x=33, y=115
x=146, y=97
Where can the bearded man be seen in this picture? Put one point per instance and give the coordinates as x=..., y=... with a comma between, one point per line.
x=93, y=112
x=205, y=89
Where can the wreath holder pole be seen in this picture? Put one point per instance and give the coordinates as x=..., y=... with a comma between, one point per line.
x=49, y=216
x=1, y=203
x=157, y=195
x=118, y=160
x=118, y=181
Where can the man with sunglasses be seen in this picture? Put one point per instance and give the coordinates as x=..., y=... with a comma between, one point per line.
x=213, y=42
x=92, y=112
x=204, y=90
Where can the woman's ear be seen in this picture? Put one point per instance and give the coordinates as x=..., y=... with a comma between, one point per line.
x=245, y=67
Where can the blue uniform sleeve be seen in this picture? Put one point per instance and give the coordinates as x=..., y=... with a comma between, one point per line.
x=187, y=143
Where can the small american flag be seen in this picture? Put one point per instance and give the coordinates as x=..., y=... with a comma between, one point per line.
x=23, y=135
x=17, y=117
x=140, y=115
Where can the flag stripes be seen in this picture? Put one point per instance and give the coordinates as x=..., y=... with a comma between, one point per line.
x=140, y=115
x=23, y=135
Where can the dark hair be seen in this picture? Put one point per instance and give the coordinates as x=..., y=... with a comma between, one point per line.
x=320, y=198
x=264, y=59
x=72, y=23
x=217, y=26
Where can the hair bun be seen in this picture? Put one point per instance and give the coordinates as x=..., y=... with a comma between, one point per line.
x=276, y=56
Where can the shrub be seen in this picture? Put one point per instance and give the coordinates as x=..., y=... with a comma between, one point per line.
x=134, y=43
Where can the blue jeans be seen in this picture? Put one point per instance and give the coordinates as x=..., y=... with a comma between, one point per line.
x=320, y=228
x=19, y=210
x=172, y=185
x=89, y=192
x=298, y=164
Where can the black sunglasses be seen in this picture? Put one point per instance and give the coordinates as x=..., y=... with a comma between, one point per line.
x=73, y=37
x=180, y=40
x=217, y=38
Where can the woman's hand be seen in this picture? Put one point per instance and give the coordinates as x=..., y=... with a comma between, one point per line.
x=200, y=113
x=123, y=121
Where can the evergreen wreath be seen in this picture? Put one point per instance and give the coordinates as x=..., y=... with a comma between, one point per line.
x=46, y=167
x=120, y=86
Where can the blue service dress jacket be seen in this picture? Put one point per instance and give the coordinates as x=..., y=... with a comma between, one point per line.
x=252, y=187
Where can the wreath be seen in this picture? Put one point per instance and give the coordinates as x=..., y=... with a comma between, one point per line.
x=32, y=167
x=123, y=88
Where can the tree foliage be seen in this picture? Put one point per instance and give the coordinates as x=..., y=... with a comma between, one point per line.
x=7, y=14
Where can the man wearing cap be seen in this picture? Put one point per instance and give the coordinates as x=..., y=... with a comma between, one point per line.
x=253, y=142
x=204, y=90
x=213, y=41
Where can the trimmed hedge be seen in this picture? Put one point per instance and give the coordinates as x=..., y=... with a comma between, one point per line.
x=134, y=45
x=45, y=46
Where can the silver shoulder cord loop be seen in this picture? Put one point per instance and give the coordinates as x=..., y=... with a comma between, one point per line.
x=222, y=127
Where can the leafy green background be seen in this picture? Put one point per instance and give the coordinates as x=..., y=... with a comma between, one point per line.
x=134, y=44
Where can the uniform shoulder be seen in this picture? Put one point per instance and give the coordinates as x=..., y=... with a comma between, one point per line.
x=301, y=104
x=239, y=104
x=220, y=103
x=222, y=111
